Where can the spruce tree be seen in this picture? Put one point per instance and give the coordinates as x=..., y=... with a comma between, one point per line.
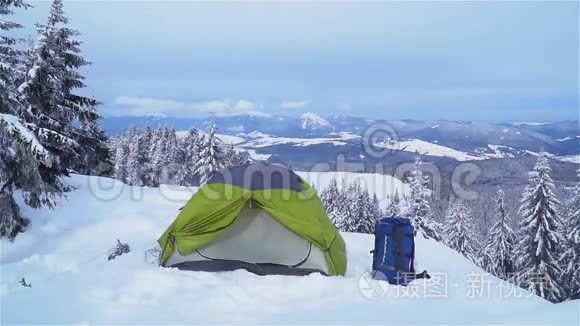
x=23, y=158
x=365, y=214
x=350, y=214
x=234, y=158
x=10, y=57
x=120, y=145
x=498, y=253
x=190, y=144
x=333, y=201
x=68, y=123
x=356, y=213
x=171, y=159
x=211, y=154
x=571, y=256
x=459, y=233
x=155, y=152
x=376, y=210
x=393, y=210
x=538, y=248
x=136, y=158
x=419, y=210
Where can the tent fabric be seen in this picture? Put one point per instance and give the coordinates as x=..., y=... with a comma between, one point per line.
x=215, y=207
x=278, y=245
x=258, y=176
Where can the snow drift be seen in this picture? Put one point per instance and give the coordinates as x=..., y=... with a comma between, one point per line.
x=64, y=257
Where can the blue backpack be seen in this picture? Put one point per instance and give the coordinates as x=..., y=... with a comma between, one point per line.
x=394, y=253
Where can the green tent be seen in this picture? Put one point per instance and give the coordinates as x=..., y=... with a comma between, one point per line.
x=260, y=217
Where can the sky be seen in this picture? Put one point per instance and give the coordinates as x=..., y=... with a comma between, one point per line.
x=484, y=61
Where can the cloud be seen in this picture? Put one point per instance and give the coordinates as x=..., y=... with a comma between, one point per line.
x=144, y=106
x=295, y=104
x=344, y=107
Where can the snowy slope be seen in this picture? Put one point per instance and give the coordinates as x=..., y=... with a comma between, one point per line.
x=260, y=140
x=64, y=253
x=428, y=148
x=228, y=139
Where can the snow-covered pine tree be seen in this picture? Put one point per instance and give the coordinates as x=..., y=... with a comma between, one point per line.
x=498, y=253
x=171, y=158
x=459, y=233
x=190, y=144
x=538, y=246
x=394, y=210
x=155, y=152
x=357, y=213
x=571, y=256
x=350, y=212
x=145, y=168
x=333, y=201
x=137, y=158
x=179, y=163
x=210, y=155
x=376, y=210
x=96, y=158
x=10, y=56
x=120, y=145
x=234, y=158
x=68, y=123
x=419, y=210
x=23, y=159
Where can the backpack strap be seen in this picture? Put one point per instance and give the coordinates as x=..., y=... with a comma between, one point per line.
x=398, y=237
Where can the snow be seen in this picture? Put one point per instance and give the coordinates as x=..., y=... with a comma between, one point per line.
x=64, y=257
x=568, y=138
x=531, y=123
x=383, y=186
x=259, y=140
x=574, y=158
x=15, y=125
x=313, y=121
x=255, y=155
x=428, y=148
x=567, y=158
x=227, y=139
x=497, y=151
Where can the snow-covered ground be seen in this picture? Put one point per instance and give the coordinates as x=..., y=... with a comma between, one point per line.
x=490, y=152
x=260, y=140
x=64, y=257
x=428, y=148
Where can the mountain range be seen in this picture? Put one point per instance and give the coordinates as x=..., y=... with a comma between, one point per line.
x=312, y=138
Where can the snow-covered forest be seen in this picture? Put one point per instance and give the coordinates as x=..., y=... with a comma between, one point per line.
x=49, y=131
x=147, y=157
x=542, y=255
